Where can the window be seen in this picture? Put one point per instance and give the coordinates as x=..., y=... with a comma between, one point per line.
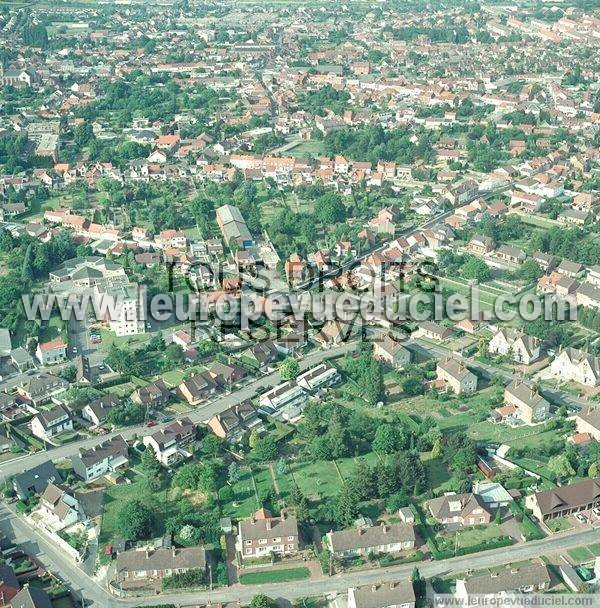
x=262, y=541
x=248, y=542
x=290, y=547
x=248, y=551
x=277, y=539
x=291, y=537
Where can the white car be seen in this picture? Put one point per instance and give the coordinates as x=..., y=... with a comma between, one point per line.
x=596, y=512
x=581, y=518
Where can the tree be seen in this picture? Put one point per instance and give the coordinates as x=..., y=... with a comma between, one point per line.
x=135, y=521
x=149, y=463
x=387, y=440
x=474, y=268
x=262, y=601
x=289, y=369
x=233, y=473
x=530, y=271
x=345, y=510
x=265, y=449
x=412, y=386
x=282, y=467
x=68, y=373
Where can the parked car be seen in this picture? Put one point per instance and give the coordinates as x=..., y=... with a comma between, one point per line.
x=581, y=518
x=150, y=423
x=596, y=512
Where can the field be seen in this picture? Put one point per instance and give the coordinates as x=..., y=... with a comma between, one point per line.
x=274, y=576
x=583, y=554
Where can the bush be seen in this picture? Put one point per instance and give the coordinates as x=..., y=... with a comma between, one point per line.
x=191, y=578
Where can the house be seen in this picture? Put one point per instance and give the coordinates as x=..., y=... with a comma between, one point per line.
x=155, y=564
x=235, y=421
x=433, y=331
x=392, y=352
x=227, y=374
x=233, y=227
x=333, y=333
x=481, y=245
x=49, y=423
x=101, y=459
x=545, y=261
x=261, y=354
x=588, y=421
x=464, y=509
x=285, y=400
x=508, y=253
x=384, y=595
x=31, y=597
x=198, y=388
x=454, y=375
x=406, y=515
x=169, y=443
x=21, y=359
x=366, y=540
x=593, y=276
x=574, y=365
x=493, y=494
x=512, y=580
x=154, y=395
x=531, y=407
x=41, y=387
x=9, y=584
x=565, y=500
x=320, y=376
x=264, y=534
x=50, y=353
x=34, y=481
x=573, y=270
x=516, y=344
x=59, y=507
x=6, y=443
x=96, y=411
x=588, y=296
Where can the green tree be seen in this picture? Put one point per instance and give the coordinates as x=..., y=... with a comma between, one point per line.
x=135, y=521
x=289, y=369
x=262, y=601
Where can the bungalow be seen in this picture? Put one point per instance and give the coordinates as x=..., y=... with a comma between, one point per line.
x=367, y=540
x=388, y=595
x=573, y=365
x=392, y=352
x=433, y=331
x=198, y=388
x=454, y=375
x=565, y=500
x=102, y=459
x=50, y=353
x=169, y=444
x=96, y=411
x=573, y=270
x=530, y=406
x=148, y=564
x=41, y=387
x=513, y=580
x=235, y=421
x=588, y=296
x=320, y=376
x=516, y=344
x=264, y=534
x=512, y=254
x=463, y=509
x=545, y=261
x=49, y=423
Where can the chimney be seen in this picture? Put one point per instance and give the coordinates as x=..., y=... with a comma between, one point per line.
x=392, y=585
x=174, y=551
x=384, y=528
x=373, y=588
x=147, y=553
x=532, y=395
x=269, y=524
x=361, y=531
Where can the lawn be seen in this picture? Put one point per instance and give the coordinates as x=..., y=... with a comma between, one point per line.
x=274, y=576
x=245, y=501
x=116, y=496
x=581, y=554
x=437, y=471
x=319, y=480
x=560, y=524
x=470, y=537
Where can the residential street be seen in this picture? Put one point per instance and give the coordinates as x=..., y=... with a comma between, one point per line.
x=95, y=595
x=201, y=414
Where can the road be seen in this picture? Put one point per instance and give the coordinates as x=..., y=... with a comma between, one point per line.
x=201, y=414
x=83, y=586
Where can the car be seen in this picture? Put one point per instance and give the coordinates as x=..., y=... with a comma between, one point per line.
x=103, y=431
x=74, y=350
x=150, y=423
x=581, y=518
x=596, y=512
